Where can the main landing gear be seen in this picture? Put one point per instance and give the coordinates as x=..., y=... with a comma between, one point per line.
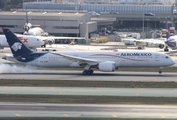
x=87, y=72
x=160, y=70
x=166, y=49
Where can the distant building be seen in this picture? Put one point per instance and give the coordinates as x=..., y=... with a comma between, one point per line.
x=59, y=1
x=60, y=24
x=44, y=0
x=152, y=2
x=96, y=1
x=51, y=1
x=122, y=9
x=147, y=2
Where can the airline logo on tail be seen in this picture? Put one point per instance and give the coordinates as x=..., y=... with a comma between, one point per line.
x=16, y=46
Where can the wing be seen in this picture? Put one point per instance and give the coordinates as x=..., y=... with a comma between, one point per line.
x=153, y=41
x=68, y=38
x=71, y=49
x=80, y=60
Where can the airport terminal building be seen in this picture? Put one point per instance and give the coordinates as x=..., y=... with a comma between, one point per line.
x=123, y=10
x=55, y=23
x=66, y=19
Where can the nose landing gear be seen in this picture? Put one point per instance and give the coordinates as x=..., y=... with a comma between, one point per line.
x=166, y=49
x=160, y=70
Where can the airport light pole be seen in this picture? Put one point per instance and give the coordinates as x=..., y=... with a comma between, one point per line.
x=143, y=20
x=155, y=23
x=78, y=28
x=79, y=22
x=98, y=24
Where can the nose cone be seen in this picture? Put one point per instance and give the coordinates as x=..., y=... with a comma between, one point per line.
x=41, y=42
x=171, y=62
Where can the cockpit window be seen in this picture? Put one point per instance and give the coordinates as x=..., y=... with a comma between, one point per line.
x=166, y=57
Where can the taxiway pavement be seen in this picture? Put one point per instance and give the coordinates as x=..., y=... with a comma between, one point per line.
x=10, y=109
x=23, y=74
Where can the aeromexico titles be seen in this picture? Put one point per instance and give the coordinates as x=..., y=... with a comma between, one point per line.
x=104, y=61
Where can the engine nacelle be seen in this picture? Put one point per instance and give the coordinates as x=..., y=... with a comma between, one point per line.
x=49, y=41
x=161, y=46
x=107, y=66
x=27, y=26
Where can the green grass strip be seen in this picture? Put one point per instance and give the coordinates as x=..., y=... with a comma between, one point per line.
x=75, y=83
x=88, y=99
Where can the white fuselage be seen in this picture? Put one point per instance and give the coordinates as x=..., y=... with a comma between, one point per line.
x=121, y=59
x=29, y=41
x=36, y=31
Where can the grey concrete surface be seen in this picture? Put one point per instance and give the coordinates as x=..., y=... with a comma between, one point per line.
x=10, y=109
x=97, y=76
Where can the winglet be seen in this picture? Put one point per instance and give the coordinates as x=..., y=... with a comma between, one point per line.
x=16, y=46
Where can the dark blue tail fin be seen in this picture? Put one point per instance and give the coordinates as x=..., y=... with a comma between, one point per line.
x=16, y=46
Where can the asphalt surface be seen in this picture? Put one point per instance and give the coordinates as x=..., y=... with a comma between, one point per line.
x=10, y=109
x=24, y=73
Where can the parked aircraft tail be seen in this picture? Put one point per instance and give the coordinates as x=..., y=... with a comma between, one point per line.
x=169, y=41
x=16, y=46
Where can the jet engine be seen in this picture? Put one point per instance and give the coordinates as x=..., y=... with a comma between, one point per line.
x=107, y=66
x=161, y=46
x=27, y=26
x=49, y=41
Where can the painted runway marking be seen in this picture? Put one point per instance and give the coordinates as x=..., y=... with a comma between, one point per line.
x=66, y=115
x=18, y=115
x=114, y=115
x=163, y=116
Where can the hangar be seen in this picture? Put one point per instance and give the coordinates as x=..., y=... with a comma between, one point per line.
x=55, y=23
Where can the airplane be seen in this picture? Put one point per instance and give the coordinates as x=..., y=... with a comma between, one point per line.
x=37, y=31
x=105, y=61
x=31, y=42
x=169, y=41
x=28, y=30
